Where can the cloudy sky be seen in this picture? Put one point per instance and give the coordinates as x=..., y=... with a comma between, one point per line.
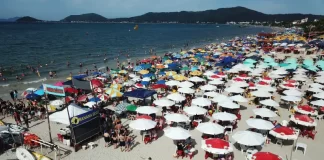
x=58, y=9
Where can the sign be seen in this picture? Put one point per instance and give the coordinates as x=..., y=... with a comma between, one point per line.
x=54, y=90
x=83, y=118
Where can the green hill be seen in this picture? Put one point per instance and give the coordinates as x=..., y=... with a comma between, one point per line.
x=28, y=19
x=90, y=17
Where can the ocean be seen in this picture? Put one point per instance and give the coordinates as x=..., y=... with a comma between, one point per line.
x=49, y=47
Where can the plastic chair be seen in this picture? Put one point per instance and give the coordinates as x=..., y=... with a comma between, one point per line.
x=243, y=148
x=180, y=153
x=301, y=145
x=311, y=135
x=230, y=128
x=60, y=137
x=279, y=141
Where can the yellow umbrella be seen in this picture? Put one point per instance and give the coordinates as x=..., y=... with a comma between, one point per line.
x=193, y=59
x=116, y=86
x=69, y=78
x=123, y=71
x=170, y=73
x=113, y=93
x=183, y=52
x=143, y=72
x=179, y=77
x=168, y=61
x=195, y=73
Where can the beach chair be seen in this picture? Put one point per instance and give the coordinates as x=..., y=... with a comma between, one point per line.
x=301, y=145
x=279, y=141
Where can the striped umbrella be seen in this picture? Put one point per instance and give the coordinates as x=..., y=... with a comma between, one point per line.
x=170, y=73
x=138, y=68
x=103, y=97
x=121, y=107
x=143, y=72
x=111, y=91
x=116, y=86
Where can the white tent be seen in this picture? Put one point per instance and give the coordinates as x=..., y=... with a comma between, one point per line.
x=63, y=117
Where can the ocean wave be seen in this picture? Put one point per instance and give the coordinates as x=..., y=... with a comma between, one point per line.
x=36, y=81
x=5, y=85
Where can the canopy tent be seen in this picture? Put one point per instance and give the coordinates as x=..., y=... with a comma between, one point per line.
x=63, y=117
x=140, y=93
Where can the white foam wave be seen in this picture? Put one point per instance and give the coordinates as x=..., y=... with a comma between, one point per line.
x=5, y=85
x=36, y=81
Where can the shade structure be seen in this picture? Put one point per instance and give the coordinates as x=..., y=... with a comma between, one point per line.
x=224, y=116
x=316, y=85
x=140, y=93
x=142, y=124
x=266, y=88
x=176, y=133
x=211, y=94
x=240, y=84
x=265, y=156
x=56, y=103
x=221, y=98
x=319, y=95
x=186, y=90
x=259, y=93
x=210, y=128
x=185, y=84
x=163, y=102
x=208, y=87
x=176, y=117
x=264, y=112
x=291, y=98
x=176, y=97
x=305, y=109
x=303, y=120
x=293, y=92
x=90, y=104
x=260, y=124
x=239, y=98
x=147, y=110
x=317, y=102
x=216, y=82
x=269, y=102
x=216, y=146
x=315, y=90
x=248, y=138
x=200, y=101
x=63, y=116
x=172, y=83
x=229, y=105
x=196, y=79
x=195, y=110
x=284, y=133
x=234, y=89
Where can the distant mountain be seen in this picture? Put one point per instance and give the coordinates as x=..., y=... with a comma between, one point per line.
x=10, y=19
x=221, y=15
x=28, y=19
x=90, y=17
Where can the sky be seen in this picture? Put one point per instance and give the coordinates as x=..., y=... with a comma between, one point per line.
x=59, y=9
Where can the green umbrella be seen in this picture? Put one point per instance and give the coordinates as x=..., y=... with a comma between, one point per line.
x=308, y=62
x=131, y=108
x=114, y=71
x=186, y=68
x=291, y=60
x=268, y=59
x=250, y=60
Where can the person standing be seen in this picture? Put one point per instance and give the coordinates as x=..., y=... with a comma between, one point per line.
x=15, y=95
x=17, y=117
x=25, y=118
x=12, y=95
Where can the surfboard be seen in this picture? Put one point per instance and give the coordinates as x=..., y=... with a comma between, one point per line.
x=24, y=154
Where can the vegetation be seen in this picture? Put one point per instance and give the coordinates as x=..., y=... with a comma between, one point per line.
x=90, y=17
x=28, y=19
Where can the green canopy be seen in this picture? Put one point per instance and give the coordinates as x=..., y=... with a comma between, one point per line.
x=250, y=60
x=308, y=62
x=186, y=68
x=131, y=108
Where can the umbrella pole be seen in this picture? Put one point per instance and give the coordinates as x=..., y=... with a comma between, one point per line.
x=48, y=121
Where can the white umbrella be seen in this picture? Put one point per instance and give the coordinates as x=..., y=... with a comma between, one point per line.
x=319, y=80
x=317, y=102
x=147, y=110
x=229, y=105
x=234, y=89
x=266, y=88
x=163, y=102
x=90, y=104
x=316, y=85
x=146, y=79
x=260, y=93
x=176, y=97
x=315, y=90
x=260, y=124
x=208, y=73
x=224, y=116
x=208, y=87
x=319, y=95
x=264, y=112
x=211, y=94
x=195, y=110
x=200, y=101
x=221, y=98
x=176, y=117
x=176, y=133
x=270, y=102
x=240, y=84
x=299, y=78
x=216, y=82
x=56, y=102
x=185, y=84
x=248, y=138
x=279, y=71
x=172, y=83
x=196, y=79
x=210, y=128
x=293, y=92
x=239, y=98
x=186, y=90
x=291, y=98
x=142, y=124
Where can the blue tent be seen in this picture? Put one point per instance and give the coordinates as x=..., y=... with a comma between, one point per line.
x=39, y=92
x=95, y=99
x=140, y=93
x=32, y=96
x=160, y=82
x=80, y=77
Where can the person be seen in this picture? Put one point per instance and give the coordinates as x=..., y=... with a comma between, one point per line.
x=25, y=118
x=107, y=139
x=122, y=141
x=128, y=140
x=114, y=140
x=12, y=95
x=17, y=117
x=15, y=95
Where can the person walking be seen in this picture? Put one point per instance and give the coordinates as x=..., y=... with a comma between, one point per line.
x=25, y=118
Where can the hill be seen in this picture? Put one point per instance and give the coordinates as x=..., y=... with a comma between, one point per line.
x=90, y=17
x=221, y=15
x=28, y=19
x=10, y=19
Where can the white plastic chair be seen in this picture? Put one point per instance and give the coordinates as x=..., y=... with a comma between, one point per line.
x=243, y=148
x=279, y=141
x=301, y=145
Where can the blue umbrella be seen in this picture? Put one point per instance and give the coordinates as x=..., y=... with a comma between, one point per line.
x=32, y=96
x=40, y=92
x=145, y=66
x=161, y=73
x=148, y=75
x=160, y=82
x=193, y=68
x=95, y=99
x=145, y=83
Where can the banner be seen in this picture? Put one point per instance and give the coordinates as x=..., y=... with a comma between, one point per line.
x=83, y=118
x=54, y=90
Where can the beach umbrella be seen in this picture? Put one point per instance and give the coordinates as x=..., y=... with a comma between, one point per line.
x=142, y=124
x=239, y=98
x=214, y=77
x=185, y=84
x=39, y=92
x=211, y=94
x=170, y=73
x=136, y=79
x=305, y=109
x=168, y=61
x=103, y=97
x=266, y=88
x=31, y=89
x=237, y=80
x=172, y=83
x=144, y=117
x=59, y=83
x=293, y=92
x=265, y=156
x=264, y=112
x=284, y=133
x=159, y=66
x=98, y=90
x=234, y=89
x=216, y=82
x=317, y=102
x=141, y=85
x=269, y=102
x=160, y=82
x=179, y=77
x=224, y=116
x=244, y=76
x=316, y=85
x=291, y=98
x=315, y=90
x=210, y=128
x=176, y=97
x=260, y=93
x=129, y=83
x=95, y=83
x=147, y=110
x=32, y=96
x=195, y=110
x=176, y=117
x=163, y=102
x=176, y=133
x=123, y=72
x=56, y=103
x=146, y=79
x=131, y=107
x=195, y=73
x=122, y=107
x=240, y=84
x=95, y=99
x=303, y=120
x=208, y=87
x=143, y=72
x=216, y=146
x=248, y=138
x=259, y=124
x=208, y=73
x=319, y=95
x=221, y=98
x=196, y=79
x=158, y=86
x=200, y=101
x=287, y=86
x=70, y=90
x=90, y=104
x=185, y=68
x=82, y=98
x=186, y=90
x=113, y=92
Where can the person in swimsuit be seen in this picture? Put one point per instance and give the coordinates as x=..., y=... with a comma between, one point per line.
x=122, y=141
x=114, y=140
x=107, y=139
x=128, y=143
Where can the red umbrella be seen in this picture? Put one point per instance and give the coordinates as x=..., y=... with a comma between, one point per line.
x=291, y=81
x=138, y=85
x=157, y=86
x=221, y=73
x=289, y=85
x=214, y=76
x=82, y=98
x=103, y=97
x=217, y=143
x=306, y=108
x=251, y=84
x=98, y=90
x=59, y=83
x=238, y=79
x=303, y=118
x=284, y=130
x=267, y=78
x=244, y=75
x=70, y=90
x=265, y=156
x=145, y=60
x=322, y=109
x=68, y=99
x=216, y=146
x=263, y=83
x=96, y=83
x=144, y=117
